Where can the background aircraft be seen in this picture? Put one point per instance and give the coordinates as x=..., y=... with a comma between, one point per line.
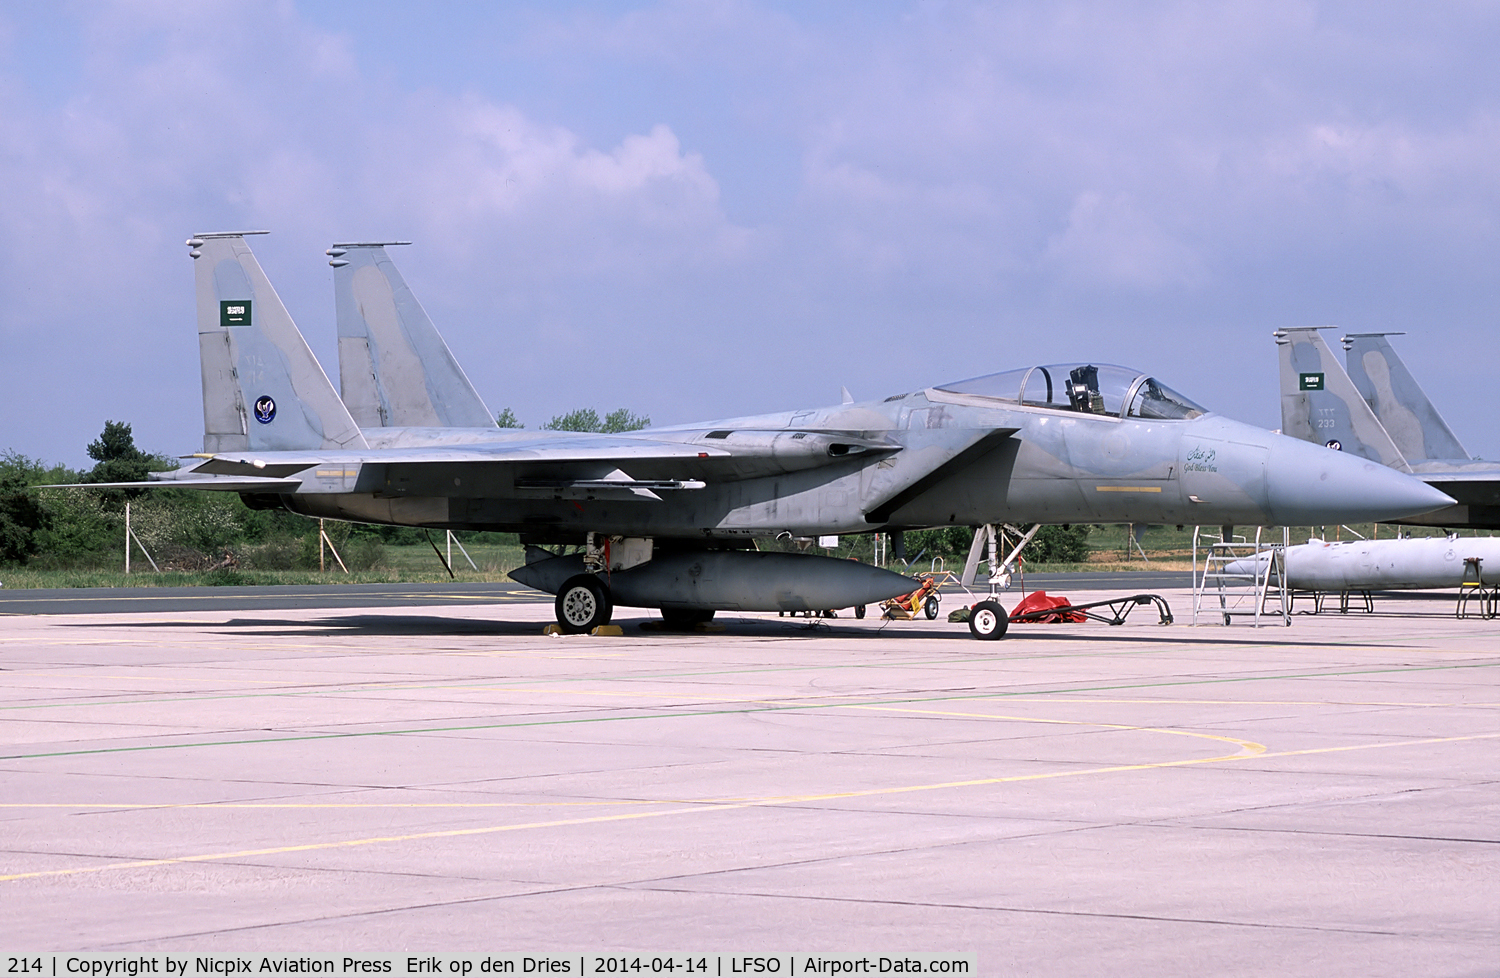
x=1323, y=404
x=667, y=516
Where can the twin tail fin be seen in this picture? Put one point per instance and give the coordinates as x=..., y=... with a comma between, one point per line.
x=395, y=371
x=263, y=390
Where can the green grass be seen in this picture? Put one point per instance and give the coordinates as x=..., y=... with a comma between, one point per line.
x=401, y=564
x=1167, y=547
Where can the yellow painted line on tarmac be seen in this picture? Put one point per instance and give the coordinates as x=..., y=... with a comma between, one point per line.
x=1170, y=702
x=373, y=805
x=418, y=596
x=1247, y=747
x=667, y=694
x=543, y=653
x=118, y=639
x=709, y=807
x=74, y=679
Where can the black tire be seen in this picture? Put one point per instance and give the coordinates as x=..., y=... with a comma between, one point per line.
x=583, y=604
x=930, y=607
x=988, y=621
x=859, y=611
x=686, y=617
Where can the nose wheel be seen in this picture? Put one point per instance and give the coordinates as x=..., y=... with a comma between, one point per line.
x=988, y=621
x=583, y=604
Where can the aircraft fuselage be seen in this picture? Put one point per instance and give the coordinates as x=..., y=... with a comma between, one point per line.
x=929, y=458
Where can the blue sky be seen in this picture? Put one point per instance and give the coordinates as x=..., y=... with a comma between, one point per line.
x=703, y=209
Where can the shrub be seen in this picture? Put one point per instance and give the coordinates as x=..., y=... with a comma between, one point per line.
x=364, y=552
x=21, y=516
x=1059, y=545
x=278, y=553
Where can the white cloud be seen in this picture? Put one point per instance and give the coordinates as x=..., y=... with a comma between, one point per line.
x=226, y=118
x=1159, y=182
x=1109, y=242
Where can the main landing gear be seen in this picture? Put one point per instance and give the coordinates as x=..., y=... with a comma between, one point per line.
x=583, y=604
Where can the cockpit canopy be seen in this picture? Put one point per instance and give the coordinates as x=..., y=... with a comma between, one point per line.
x=1086, y=388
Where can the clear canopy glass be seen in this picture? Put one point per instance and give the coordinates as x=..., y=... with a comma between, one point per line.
x=1086, y=388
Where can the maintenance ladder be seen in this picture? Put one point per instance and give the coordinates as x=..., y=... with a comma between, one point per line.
x=1240, y=594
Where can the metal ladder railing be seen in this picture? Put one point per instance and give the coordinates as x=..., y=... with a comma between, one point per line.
x=1247, y=590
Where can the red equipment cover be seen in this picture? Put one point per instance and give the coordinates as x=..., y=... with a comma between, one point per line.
x=1041, y=601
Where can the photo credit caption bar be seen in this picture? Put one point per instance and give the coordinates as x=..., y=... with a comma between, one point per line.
x=179, y=965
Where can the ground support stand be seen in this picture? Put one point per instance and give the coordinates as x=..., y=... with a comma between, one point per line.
x=1487, y=598
x=1119, y=610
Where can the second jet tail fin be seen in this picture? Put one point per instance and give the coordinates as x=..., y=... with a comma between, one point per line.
x=394, y=368
x=1403, y=408
x=263, y=390
x=1319, y=402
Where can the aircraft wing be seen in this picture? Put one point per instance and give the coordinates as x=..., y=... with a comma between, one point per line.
x=689, y=459
x=641, y=464
x=288, y=463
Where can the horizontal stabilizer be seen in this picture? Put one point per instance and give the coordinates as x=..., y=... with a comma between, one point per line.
x=253, y=468
x=213, y=483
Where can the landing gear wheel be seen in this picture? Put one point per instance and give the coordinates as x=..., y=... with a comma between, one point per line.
x=583, y=604
x=859, y=611
x=987, y=620
x=930, y=608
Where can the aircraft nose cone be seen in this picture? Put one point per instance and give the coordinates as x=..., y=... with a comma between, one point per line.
x=1309, y=485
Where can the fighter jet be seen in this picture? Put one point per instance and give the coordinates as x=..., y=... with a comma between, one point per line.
x=1377, y=411
x=667, y=517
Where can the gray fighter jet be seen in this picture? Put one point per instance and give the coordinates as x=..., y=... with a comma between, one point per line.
x=666, y=517
x=1376, y=410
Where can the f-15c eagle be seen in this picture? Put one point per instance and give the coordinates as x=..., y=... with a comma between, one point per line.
x=667, y=516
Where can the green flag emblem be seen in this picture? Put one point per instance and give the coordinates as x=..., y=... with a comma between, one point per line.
x=234, y=312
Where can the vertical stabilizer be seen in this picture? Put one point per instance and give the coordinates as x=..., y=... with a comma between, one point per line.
x=1319, y=403
x=1398, y=400
x=394, y=368
x=263, y=390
